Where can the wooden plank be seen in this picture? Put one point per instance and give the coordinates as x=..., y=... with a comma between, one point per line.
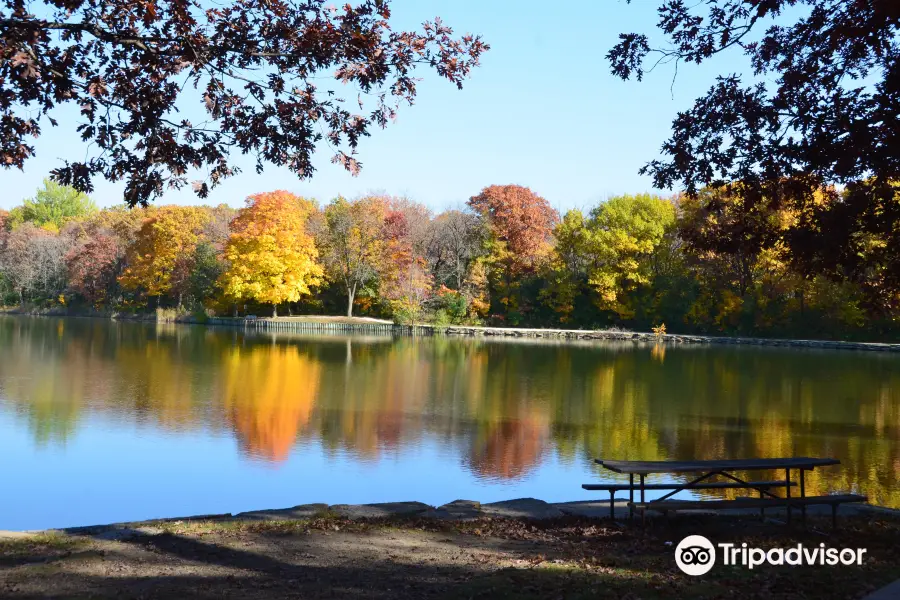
x=641, y=467
x=746, y=502
x=714, y=485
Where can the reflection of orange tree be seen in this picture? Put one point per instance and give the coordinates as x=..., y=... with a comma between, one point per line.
x=509, y=449
x=269, y=394
x=511, y=416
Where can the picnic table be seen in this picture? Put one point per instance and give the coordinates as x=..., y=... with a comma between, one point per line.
x=703, y=470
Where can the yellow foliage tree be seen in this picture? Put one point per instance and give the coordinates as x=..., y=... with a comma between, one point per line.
x=272, y=259
x=158, y=260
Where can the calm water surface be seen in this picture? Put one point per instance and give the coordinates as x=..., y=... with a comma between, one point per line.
x=103, y=422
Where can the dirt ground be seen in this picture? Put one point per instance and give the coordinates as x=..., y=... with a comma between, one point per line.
x=330, y=557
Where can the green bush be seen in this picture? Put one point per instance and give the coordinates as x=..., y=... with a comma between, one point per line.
x=441, y=318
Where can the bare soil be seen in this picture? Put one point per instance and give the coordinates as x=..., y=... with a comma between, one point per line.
x=330, y=557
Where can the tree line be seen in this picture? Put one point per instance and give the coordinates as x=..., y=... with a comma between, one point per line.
x=711, y=262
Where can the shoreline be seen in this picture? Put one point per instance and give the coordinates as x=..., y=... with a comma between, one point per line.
x=523, y=509
x=338, y=324
x=323, y=554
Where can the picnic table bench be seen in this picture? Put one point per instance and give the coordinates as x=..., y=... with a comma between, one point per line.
x=705, y=469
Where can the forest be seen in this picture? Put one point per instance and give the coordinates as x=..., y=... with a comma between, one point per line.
x=712, y=262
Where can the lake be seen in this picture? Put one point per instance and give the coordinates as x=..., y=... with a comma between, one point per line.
x=103, y=421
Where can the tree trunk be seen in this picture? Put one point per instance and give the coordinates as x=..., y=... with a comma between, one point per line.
x=274, y=310
x=179, y=301
x=351, y=291
x=234, y=310
x=22, y=297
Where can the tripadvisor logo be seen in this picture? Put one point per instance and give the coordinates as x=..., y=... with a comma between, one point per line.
x=696, y=555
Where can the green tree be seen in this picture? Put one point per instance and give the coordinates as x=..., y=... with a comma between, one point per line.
x=53, y=206
x=567, y=271
x=352, y=243
x=208, y=267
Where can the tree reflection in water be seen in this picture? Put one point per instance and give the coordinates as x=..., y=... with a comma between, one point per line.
x=506, y=406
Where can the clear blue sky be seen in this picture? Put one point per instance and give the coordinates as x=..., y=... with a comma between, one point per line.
x=542, y=111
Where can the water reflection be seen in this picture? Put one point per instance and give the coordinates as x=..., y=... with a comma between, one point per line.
x=502, y=409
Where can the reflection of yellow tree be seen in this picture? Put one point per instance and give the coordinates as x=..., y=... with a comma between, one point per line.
x=269, y=393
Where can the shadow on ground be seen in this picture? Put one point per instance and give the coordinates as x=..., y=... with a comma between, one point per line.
x=330, y=557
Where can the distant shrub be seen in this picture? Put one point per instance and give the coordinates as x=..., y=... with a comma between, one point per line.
x=441, y=318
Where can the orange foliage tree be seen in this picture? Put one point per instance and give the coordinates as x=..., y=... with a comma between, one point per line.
x=160, y=260
x=521, y=225
x=406, y=283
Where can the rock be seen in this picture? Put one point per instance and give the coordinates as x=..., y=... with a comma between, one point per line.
x=387, y=509
x=14, y=535
x=118, y=534
x=458, y=510
x=303, y=511
x=521, y=508
x=595, y=509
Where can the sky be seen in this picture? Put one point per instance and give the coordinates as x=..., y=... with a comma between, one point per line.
x=541, y=111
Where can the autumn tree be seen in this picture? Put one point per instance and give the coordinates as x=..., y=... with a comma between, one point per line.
x=454, y=240
x=566, y=273
x=33, y=261
x=404, y=279
x=132, y=70
x=521, y=225
x=816, y=118
x=352, y=244
x=271, y=256
x=93, y=266
x=217, y=228
x=821, y=113
x=121, y=222
x=520, y=219
x=160, y=262
x=622, y=235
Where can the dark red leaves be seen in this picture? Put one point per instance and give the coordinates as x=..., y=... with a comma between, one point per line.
x=135, y=65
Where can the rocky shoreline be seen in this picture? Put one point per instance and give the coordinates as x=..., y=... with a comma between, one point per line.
x=458, y=510
x=576, y=334
x=279, y=325
x=340, y=325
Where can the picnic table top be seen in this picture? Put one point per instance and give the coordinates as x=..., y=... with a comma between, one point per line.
x=646, y=467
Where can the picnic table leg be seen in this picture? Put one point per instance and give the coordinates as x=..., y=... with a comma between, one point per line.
x=612, y=505
x=762, y=509
x=630, y=496
x=803, y=495
x=787, y=487
x=644, y=509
